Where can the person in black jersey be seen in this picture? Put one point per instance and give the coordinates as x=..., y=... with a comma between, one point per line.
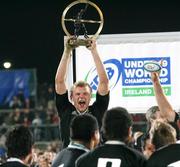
x=80, y=94
x=167, y=151
x=164, y=109
x=84, y=133
x=19, y=145
x=117, y=129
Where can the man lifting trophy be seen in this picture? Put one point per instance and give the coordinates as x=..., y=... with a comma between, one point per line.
x=82, y=14
x=76, y=17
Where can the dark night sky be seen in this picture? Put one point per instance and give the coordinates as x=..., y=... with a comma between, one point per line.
x=31, y=35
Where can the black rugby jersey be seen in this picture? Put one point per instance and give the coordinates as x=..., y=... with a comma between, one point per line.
x=108, y=155
x=168, y=156
x=68, y=156
x=67, y=112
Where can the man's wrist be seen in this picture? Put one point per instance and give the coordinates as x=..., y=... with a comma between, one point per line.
x=94, y=51
x=157, y=83
x=68, y=50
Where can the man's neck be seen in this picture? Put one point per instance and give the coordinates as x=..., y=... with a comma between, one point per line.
x=79, y=145
x=81, y=112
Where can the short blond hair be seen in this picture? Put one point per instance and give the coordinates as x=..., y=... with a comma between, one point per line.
x=162, y=134
x=80, y=84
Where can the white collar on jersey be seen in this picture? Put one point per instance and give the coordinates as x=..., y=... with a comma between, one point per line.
x=115, y=142
x=78, y=146
x=178, y=141
x=80, y=113
x=13, y=159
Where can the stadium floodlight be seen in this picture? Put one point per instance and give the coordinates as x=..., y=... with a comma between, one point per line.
x=7, y=65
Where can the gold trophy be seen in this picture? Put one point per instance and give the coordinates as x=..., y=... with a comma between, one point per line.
x=80, y=35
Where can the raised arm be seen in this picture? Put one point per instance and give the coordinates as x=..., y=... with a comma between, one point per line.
x=103, y=86
x=60, y=78
x=164, y=105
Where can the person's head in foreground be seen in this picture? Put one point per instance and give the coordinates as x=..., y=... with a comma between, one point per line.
x=162, y=134
x=19, y=144
x=117, y=124
x=84, y=129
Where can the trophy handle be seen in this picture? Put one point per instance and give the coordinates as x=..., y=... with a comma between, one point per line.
x=64, y=19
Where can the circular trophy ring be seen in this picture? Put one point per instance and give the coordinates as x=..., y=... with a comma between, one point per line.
x=152, y=66
x=64, y=19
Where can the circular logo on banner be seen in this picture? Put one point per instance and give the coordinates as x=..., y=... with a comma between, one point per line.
x=113, y=69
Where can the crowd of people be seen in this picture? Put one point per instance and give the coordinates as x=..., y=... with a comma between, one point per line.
x=43, y=113
x=95, y=135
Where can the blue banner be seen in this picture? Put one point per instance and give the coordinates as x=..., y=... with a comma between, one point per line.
x=134, y=74
x=11, y=82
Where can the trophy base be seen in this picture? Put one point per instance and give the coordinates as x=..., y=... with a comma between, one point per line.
x=79, y=42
